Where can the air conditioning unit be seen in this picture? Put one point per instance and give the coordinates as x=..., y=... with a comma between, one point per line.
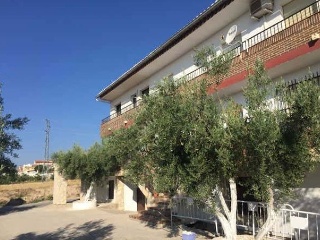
x=259, y=8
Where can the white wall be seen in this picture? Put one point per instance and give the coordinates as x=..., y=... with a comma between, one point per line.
x=130, y=197
x=308, y=196
x=247, y=27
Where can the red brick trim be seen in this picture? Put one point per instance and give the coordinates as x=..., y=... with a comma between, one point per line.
x=288, y=56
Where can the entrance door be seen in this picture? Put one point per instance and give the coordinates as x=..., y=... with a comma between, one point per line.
x=111, y=189
x=141, y=200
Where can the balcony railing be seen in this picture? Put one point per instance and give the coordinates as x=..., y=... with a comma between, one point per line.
x=244, y=46
x=282, y=25
x=314, y=77
x=123, y=110
x=290, y=86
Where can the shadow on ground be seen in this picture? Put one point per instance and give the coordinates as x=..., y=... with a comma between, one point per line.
x=10, y=209
x=154, y=218
x=15, y=205
x=161, y=219
x=89, y=230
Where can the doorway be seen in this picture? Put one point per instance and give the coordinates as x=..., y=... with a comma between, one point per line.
x=111, y=189
x=141, y=200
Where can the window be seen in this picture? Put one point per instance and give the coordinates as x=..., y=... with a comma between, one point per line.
x=296, y=6
x=300, y=6
x=145, y=92
x=118, y=109
x=134, y=100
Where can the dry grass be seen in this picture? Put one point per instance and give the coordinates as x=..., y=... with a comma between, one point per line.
x=28, y=185
x=35, y=191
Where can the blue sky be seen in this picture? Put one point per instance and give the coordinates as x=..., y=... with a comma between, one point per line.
x=56, y=55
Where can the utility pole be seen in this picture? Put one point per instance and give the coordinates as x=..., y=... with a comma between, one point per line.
x=46, y=150
x=47, y=131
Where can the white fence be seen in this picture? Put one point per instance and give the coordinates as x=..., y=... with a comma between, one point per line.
x=293, y=224
x=187, y=208
x=289, y=223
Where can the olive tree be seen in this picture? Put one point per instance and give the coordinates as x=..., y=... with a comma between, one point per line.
x=9, y=142
x=92, y=166
x=183, y=140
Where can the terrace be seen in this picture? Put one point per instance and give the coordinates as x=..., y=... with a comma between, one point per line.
x=285, y=41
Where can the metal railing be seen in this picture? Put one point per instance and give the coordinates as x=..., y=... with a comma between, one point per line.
x=288, y=223
x=188, y=208
x=282, y=25
x=245, y=45
x=314, y=77
x=290, y=86
x=294, y=224
x=123, y=110
x=250, y=215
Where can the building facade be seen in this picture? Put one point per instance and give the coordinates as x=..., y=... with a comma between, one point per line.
x=30, y=169
x=284, y=34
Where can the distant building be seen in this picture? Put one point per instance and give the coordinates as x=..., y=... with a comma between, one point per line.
x=30, y=169
x=43, y=162
x=27, y=169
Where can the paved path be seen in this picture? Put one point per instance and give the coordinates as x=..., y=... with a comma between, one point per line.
x=44, y=221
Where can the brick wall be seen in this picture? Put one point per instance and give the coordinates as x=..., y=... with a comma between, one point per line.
x=284, y=41
x=123, y=121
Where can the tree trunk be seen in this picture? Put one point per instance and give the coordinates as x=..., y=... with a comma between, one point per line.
x=270, y=219
x=234, y=204
x=90, y=195
x=83, y=189
x=227, y=218
x=227, y=229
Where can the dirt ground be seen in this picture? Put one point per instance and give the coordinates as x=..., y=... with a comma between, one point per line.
x=35, y=191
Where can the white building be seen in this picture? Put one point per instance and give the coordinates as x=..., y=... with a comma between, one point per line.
x=284, y=34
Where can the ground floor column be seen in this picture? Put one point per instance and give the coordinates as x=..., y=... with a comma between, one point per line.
x=59, y=188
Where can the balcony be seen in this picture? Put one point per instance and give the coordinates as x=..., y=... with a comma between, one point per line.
x=279, y=39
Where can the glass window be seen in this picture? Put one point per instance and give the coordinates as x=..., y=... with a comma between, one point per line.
x=145, y=92
x=134, y=100
x=296, y=6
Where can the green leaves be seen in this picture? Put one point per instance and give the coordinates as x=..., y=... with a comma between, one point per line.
x=216, y=65
x=93, y=165
x=186, y=140
x=9, y=142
